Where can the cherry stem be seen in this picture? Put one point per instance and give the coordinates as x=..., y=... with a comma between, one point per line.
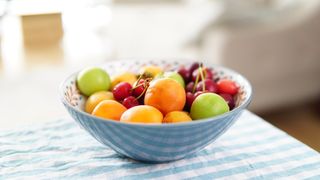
x=202, y=77
x=146, y=81
x=197, y=79
x=139, y=77
x=136, y=86
x=137, y=82
x=195, y=83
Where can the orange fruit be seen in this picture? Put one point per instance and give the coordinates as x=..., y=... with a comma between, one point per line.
x=96, y=98
x=176, y=117
x=166, y=95
x=142, y=114
x=109, y=109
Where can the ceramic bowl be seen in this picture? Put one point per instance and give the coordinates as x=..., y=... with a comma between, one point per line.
x=154, y=143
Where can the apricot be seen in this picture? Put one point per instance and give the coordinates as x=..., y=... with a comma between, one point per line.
x=166, y=95
x=123, y=77
x=109, y=109
x=176, y=117
x=96, y=98
x=151, y=70
x=142, y=114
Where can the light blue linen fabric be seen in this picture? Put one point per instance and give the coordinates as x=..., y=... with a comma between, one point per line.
x=251, y=149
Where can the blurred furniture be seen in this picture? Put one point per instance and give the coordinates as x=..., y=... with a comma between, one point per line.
x=42, y=36
x=40, y=21
x=281, y=60
x=41, y=29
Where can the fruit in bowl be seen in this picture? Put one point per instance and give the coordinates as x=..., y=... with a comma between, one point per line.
x=166, y=95
x=163, y=90
x=208, y=105
x=157, y=118
x=91, y=80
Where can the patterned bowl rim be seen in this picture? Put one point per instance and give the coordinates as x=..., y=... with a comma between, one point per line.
x=237, y=109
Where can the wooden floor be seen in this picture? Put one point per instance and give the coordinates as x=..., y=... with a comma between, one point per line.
x=301, y=122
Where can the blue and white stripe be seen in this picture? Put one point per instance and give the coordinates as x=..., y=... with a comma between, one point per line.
x=251, y=149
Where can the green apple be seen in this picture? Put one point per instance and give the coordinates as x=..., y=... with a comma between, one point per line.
x=93, y=79
x=208, y=105
x=172, y=75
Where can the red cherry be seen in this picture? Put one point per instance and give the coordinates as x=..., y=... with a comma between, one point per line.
x=185, y=73
x=193, y=67
x=139, y=89
x=207, y=73
x=189, y=87
x=210, y=86
x=227, y=87
x=229, y=99
x=130, y=102
x=189, y=99
x=121, y=91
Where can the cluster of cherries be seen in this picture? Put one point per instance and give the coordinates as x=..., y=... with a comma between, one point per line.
x=129, y=95
x=200, y=79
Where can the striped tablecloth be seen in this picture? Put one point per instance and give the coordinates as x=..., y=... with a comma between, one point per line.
x=251, y=149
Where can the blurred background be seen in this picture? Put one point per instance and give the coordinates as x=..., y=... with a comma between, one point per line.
x=274, y=43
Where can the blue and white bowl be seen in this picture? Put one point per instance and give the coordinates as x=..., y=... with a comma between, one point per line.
x=154, y=143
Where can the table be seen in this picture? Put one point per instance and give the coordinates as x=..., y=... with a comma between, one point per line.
x=250, y=149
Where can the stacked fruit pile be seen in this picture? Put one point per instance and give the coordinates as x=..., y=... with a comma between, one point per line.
x=155, y=96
